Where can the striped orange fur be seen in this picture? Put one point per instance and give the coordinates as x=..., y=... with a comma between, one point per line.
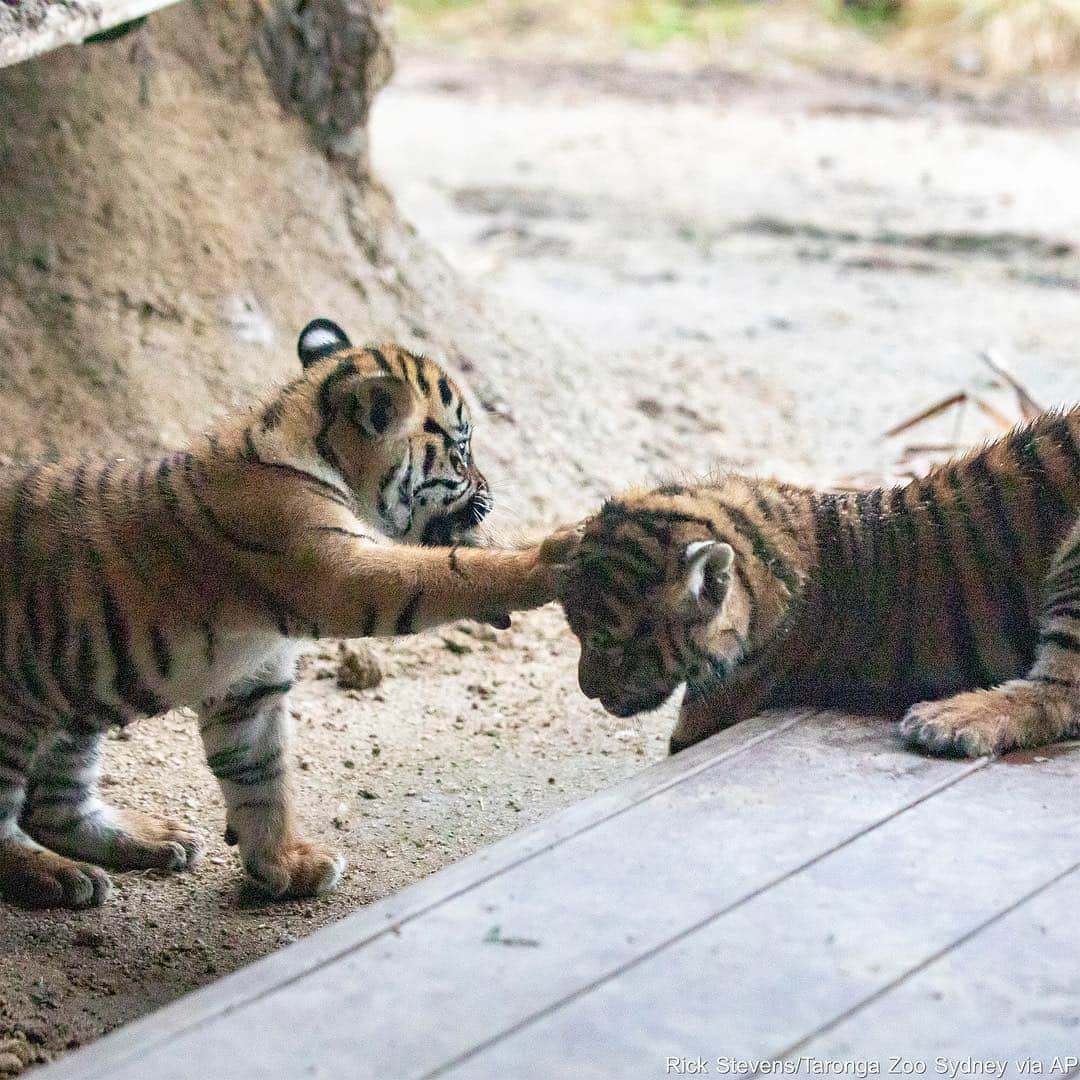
x=133, y=586
x=953, y=601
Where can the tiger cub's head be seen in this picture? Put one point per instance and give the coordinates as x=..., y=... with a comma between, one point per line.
x=655, y=601
x=397, y=430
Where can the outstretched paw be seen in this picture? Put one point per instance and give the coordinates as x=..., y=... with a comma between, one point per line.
x=561, y=545
x=984, y=722
x=294, y=870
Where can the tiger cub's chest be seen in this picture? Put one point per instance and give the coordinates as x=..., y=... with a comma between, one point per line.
x=207, y=663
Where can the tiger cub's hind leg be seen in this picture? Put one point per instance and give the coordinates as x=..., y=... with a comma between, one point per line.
x=63, y=813
x=29, y=874
x=1033, y=711
x=244, y=735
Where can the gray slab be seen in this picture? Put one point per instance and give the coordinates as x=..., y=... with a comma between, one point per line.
x=797, y=888
x=496, y=954
x=69, y=23
x=1010, y=993
x=806, y=955
x=139, y=1039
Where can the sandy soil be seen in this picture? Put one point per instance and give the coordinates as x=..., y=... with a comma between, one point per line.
x=708, y=271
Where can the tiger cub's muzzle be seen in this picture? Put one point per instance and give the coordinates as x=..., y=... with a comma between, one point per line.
x=454, y=527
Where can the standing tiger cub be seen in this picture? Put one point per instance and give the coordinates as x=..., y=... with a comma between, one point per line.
x=953, y=600
x=131, y=587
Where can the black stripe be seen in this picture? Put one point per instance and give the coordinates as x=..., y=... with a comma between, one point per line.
x=1050, y=680
x=246, y=774
x=258, y=693
x=630, y=555
x=381, y=410
x=965, y=642
x=127, y=682
x=381, y=360
x=433, y=427
x=328, y=490
x=445, y=393
x=29, y=673
x=1070, y=613
x=1017, y=622
x=162, y=656
x=1046, y=499
x=338, y=530
x=763, y=549
x=385, y=481
x=213, y=521
x=86, y=669
x=776, y=513
x=11, y=763
x=407, y=618
x=1062, y=639
x=868, y=607
x=272, y=414
x=421, y=378
x=1009, y=600
x=74, y=797
x=906, y=553
x=237, y=708
x=327, y=411
x=1070, y=595
x=648, y=519
x=1065, y=558
x=826, y=513
x=61, y=638
x=166, y=538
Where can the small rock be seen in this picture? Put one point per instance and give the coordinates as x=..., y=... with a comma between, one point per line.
x=358, y=667
x=34, y=1031
x=88, y=939
x=10, y=1065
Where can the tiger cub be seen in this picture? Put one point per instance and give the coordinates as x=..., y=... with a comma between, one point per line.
x=953, y=601
x=131, y=587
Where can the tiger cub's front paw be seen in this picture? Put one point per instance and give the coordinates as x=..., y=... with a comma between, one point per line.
x=295, y=869
x=562, y=544
x=550, y=562
x=980, y=722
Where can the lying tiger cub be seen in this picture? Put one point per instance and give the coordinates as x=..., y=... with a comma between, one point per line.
x=962, y=586
x=131, y=587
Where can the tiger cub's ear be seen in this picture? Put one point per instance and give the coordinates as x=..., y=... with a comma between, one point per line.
x=707, y=565
x=382, y=407
x=320, y=338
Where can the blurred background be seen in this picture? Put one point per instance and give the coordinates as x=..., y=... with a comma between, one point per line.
x=784, y=227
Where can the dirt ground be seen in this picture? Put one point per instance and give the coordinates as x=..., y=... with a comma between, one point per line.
x=723, y=272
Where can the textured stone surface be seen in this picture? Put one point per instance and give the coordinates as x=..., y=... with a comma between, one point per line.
x=326, y=61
